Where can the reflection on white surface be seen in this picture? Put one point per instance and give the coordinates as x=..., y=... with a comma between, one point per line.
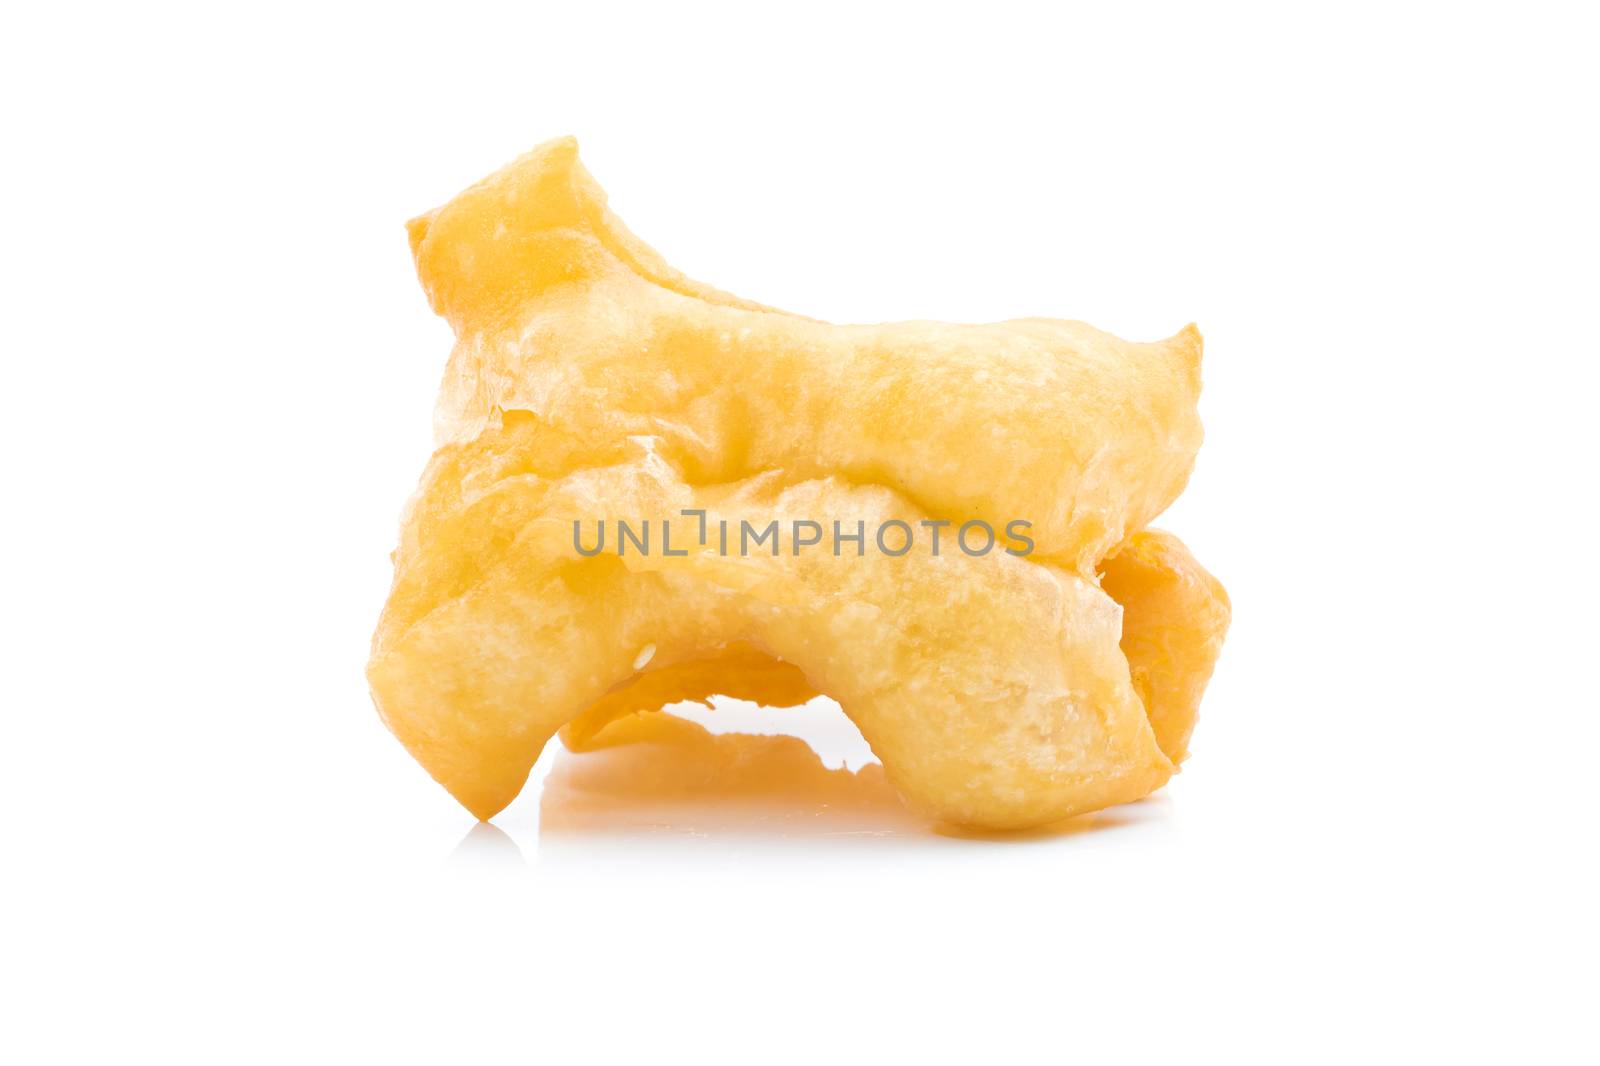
x=727, y=784
x=487, y=846
x=666, y=774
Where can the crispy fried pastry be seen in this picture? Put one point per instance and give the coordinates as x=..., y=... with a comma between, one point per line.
x=592, y=384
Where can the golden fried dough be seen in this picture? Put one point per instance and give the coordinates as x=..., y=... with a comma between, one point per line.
x=560, y=311
x=1174, y=616
x=591, y=384
x=739, y=670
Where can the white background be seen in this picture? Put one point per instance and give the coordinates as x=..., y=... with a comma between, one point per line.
x=218, y=375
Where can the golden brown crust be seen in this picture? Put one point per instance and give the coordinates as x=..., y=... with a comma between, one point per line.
x=592, y=382
x=1175, y=616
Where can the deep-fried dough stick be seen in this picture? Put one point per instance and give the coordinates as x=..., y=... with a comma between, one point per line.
x=592, y=382
x=560, y=311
